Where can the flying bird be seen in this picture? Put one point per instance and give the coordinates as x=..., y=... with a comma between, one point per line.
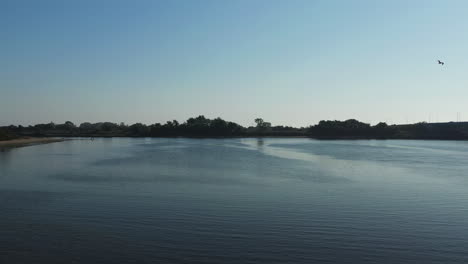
x=441, y=62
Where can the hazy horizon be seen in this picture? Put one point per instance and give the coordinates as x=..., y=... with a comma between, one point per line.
x=289, y=62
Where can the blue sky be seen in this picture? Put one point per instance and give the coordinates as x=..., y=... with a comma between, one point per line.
x=289, y=62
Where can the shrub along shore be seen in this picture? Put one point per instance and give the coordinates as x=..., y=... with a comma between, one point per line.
x=203, y=127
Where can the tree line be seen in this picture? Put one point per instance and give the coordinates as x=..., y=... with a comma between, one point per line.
x=204, y=127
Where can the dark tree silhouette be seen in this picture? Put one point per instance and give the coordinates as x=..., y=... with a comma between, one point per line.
x=204, y=127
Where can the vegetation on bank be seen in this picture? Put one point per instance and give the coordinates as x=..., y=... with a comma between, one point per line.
x=354, y=129
x=5, y=135
x=203, y=127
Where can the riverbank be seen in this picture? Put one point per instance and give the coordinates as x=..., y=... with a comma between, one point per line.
x=23, y=142
x=217, y=128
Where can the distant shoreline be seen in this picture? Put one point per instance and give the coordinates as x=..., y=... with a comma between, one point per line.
x=201, y=127
x=30, y=141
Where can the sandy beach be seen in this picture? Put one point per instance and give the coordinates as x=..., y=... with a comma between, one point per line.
x=22, y=142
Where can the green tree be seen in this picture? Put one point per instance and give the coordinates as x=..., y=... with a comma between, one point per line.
x=261, y=124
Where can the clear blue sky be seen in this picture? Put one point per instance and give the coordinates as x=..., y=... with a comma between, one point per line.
x=289, y=62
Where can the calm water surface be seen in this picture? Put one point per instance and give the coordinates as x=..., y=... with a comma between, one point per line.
x=235, y=201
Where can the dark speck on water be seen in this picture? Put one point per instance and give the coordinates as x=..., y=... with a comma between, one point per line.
x=129, y=200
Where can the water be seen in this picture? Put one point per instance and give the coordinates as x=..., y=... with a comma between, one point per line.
x=235, y=201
